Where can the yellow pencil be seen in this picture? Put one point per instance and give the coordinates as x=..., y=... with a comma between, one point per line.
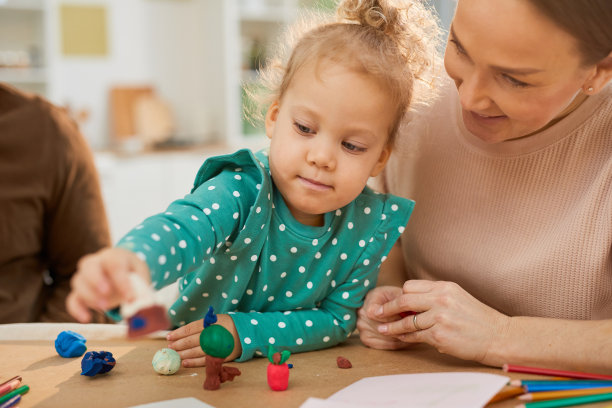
x=505, y=393
x=547, y=395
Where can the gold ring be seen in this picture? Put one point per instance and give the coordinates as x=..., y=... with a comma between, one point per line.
x=414, y=321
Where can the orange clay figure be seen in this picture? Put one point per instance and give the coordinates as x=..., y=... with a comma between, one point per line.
x=217, y=343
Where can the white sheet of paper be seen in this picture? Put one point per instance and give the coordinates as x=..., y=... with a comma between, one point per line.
x=429, y=390
x=179, y=402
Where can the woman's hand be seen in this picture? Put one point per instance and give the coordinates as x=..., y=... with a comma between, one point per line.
x=368, y=321
x=449, y=318
x=186, y=341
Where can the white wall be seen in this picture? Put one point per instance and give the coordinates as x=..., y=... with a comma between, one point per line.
x=173, y=45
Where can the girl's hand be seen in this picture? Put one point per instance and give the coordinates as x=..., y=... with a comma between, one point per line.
x=101, y=282
x=186, y=341
x=450, y=319
x=368, y=321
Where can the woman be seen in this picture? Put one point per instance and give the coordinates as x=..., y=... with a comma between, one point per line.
x=508, y=252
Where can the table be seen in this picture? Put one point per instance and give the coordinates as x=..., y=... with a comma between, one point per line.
x=28, y=350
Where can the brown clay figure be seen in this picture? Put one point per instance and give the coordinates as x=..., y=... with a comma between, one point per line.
x=217, y=343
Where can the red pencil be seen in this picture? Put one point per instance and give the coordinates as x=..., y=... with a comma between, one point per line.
x=9, y=385
x=509, y=368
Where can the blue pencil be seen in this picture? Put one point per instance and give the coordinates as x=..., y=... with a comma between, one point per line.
x=559, y=387
x=11, y=402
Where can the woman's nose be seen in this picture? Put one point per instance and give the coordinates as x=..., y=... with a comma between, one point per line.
x=473, y=93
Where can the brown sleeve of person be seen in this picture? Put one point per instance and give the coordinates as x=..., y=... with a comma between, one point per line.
x=76, y=222
x=51, y=209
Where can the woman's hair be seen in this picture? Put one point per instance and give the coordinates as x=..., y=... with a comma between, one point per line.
x=394, y=41
x=588, y=21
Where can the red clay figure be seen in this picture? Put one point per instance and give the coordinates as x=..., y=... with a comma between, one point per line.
x=278, y=371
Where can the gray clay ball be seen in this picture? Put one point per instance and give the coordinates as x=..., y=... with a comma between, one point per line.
x=166, y=361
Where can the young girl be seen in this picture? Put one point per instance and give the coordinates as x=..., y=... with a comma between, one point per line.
x=285, y=244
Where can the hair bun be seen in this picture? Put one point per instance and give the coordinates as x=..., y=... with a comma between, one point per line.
x=369, y=13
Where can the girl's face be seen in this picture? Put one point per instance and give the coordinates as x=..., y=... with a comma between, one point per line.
x=328, y=135
x=515, y=70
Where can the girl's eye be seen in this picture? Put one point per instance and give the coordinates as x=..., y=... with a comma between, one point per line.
x=352, y=148
x=302, y=129
x=515, y=82
x=458, y=47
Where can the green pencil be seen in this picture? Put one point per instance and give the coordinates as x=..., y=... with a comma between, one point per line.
x=21, y=390
x=566, y=402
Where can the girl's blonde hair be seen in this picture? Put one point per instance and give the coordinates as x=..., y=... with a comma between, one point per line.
x=395, y=41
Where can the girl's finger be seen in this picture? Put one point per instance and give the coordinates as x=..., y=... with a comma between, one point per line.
x=186, y=343
x=77, y=309
x=194, y=352
x=195, y=362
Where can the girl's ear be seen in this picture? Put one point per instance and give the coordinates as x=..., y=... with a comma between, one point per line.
x=382, y=161
x=602, y=74
x=271, y=117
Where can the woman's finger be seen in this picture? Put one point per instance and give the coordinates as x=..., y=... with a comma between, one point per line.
x=409, y=324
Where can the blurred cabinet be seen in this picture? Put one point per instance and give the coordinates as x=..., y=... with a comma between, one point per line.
x=136, y=187
x=24, y=44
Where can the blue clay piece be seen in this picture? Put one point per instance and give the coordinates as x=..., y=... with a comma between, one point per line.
x=70, y=344
x=97, y=362
x=210, y=317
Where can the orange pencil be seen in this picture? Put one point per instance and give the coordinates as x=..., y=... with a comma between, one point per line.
x=547, y=395
x=505, y=393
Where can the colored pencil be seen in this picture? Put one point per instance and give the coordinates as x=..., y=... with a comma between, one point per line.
x=567, y=402
x=560, y=387
x=17, y=377
x=19, y=391
x=601, y=383
x=547, y=395
x=9, y=386
x=510, y=368
x=505, y=393
x=12, y=402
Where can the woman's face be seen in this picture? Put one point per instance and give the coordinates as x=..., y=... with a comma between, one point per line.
x=515, y=70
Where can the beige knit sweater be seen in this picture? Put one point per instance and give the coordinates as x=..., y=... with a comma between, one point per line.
x=524, y=225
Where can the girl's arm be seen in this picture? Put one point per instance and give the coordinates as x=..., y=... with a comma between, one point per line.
x=179, y=239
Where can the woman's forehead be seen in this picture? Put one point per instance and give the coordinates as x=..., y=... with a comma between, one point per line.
x=511, y=33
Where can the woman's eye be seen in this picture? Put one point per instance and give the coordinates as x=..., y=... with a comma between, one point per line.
x=302, y=129
x=352, y=148
x=515, y=82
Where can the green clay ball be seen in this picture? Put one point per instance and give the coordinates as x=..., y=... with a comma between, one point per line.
x=166, y=361
x=216, y=341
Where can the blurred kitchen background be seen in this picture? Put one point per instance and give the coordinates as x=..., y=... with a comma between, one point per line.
x=155, y=85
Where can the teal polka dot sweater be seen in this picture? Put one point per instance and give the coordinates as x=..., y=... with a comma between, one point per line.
x=233, y=244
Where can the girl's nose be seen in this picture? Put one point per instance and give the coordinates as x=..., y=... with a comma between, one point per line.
x=322, y=153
